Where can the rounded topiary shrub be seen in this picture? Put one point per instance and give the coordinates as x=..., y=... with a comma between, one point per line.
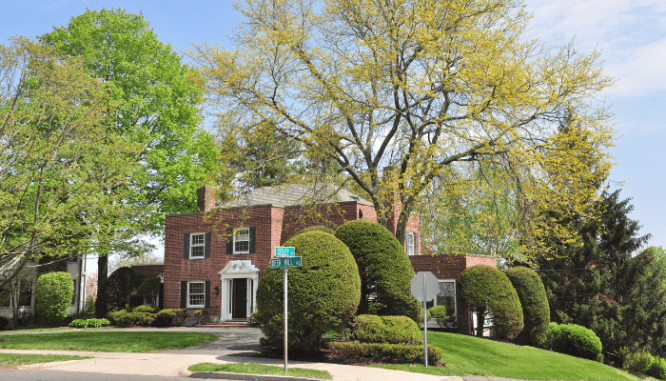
x=574, y=340
x=486, y=289
x=53, y=296
x=323, y=229
x=386, y=329
x=386, y=269
x=118, y=288
x=533, y=299
x=323, y=293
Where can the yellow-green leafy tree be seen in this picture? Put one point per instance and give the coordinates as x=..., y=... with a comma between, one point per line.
x=399, y=93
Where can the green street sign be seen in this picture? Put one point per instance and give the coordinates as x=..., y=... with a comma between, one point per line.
x=278, y=263
x=285, y=251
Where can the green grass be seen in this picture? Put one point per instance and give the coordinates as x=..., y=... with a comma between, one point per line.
x=467, y=355
x=30, y=330
x=105, y=341
x=260, y=369
x=13, y=360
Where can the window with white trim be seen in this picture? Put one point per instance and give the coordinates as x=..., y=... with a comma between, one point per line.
x=410, y=243
x=241, y=241
x=197, y=245
x=196, y=295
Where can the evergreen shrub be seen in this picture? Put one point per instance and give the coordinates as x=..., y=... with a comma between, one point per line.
x=574, y=340
x=323, y=293
x=118, y=288
x=386, y=269
x=149, y=290
x=53, y=296
x=533, y=299
x=146, y=308
x=125, y=318
x=170, y=317
x=486, y=289
x=640, y=361
x=658, y=368
x=386, y=329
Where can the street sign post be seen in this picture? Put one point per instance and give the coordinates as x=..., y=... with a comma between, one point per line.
x=278, y=263
x=285, y=260
x=285, y=251
x=425, y=287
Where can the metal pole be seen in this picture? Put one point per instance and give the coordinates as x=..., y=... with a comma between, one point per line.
x=286, y=271
x=425, y=324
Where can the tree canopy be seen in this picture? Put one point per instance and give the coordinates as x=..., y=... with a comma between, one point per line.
x=426, y=89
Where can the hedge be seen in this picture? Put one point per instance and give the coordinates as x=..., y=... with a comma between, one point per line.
x=385, y=353
x=387, y=270
x=486, y=289
x=533, y=299
x=574, y=340
x=386, y=329
x=85, y=323
x=323, y=293
x=53, y=296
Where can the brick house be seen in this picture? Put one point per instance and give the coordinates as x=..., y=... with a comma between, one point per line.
x=214, y=259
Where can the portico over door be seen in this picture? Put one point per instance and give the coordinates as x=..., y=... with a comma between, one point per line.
x=239, y=281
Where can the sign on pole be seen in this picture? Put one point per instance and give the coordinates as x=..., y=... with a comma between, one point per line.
x=278, y=263
x=425, y=287
x=286, y=251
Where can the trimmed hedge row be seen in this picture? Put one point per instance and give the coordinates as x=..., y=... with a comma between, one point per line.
x=574, y=340
x=148, y=316
x=386, y=329
x=533, y=299
x=386, y=353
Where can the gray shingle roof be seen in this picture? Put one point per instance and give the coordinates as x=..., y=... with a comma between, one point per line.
x=296, y=194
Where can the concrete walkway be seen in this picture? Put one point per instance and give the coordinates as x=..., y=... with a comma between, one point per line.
x=234, y=345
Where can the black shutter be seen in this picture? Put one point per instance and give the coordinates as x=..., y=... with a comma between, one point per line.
x=416, y=244
x=186, y=246
x=207, y=246
x=183, y=294
x=253, y=239
x=207, y=294
x=230, y=241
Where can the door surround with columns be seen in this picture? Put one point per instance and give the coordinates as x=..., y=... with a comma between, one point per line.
x=235, y=270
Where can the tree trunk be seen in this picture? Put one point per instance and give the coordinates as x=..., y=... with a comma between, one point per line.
x=102, y=275
x=480, y=317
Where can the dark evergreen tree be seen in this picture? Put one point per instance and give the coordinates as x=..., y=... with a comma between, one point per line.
x=597, y=284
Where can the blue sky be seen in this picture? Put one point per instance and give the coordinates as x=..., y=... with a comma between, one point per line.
x=631, y=35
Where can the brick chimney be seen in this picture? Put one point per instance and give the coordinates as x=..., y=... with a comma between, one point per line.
x=206, y=198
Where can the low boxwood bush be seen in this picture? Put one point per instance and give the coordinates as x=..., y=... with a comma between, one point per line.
x=125, y=318
x=442, y=315
x=146, y=308
x=638, y=361
x=574, y=340
x=658, y=368
x=170, y=317
x=386, y=353
x=84, y=323
x=386, y=329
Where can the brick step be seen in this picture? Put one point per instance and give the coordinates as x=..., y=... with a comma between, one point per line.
x=226, y=324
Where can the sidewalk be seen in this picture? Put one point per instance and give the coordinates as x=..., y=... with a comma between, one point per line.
x=175, y=365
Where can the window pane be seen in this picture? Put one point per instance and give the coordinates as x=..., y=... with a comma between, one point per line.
x=196, y=288
x=447, y=295
x=242, y=234
x=198, y=239
x=243, y=246
x=197, y=251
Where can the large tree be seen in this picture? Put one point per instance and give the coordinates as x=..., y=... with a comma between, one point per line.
x=599, y=284
x=422, y=88
x=57, y=158
x=153, y=101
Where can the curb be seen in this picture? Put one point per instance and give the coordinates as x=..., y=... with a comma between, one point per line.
x=249, y=377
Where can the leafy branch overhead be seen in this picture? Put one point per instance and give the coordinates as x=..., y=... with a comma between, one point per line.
x=430, y=89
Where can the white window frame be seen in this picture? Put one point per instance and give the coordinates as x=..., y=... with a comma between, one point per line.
x=202, y=245
x=410, y=245
x=189, y=294
x=455, y=297
x=236, y=233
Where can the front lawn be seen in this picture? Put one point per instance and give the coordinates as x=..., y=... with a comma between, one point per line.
x=13, y=360
x=467, y=355
x=105, y=341
x=252, y=368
